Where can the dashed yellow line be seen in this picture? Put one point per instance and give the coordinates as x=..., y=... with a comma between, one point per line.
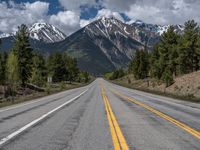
x=183, y=126
x=118, y=139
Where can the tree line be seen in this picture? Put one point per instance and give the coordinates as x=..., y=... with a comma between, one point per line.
x=21, y=65
x=174, y=55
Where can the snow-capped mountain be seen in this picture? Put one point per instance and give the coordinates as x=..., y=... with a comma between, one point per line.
x=42, y=32
x=157, y=29
x=121, y=35
x=46, y=33
x=101, y=46
x=108, y=43
x=5, y=35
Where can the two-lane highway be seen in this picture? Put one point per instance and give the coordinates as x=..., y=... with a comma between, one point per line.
x=101, y=116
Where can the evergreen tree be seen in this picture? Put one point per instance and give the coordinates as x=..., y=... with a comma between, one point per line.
x=168, y=50
x=140, y=64
x=39, y=73
x=72, y=69
x=3, y=58
x=24, y=53
x=189, y=48
x=117, y=74
x=86, y=76
x=56, y=67
x=155, y=68
x=167, y=76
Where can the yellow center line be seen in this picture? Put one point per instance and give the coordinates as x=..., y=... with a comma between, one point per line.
x=183, y=126
x=118, y=139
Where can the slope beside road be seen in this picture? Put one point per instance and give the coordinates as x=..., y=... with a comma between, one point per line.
x=101, y=116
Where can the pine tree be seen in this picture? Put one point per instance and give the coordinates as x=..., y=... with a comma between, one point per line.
x=167, y=76
x=2, y=69
x=168, y=50
x=24, y=53
x=56, y=67
x=189, y=48
x=39, y=73
x=139, y=66
x=72, y=69
x=155, y=68
x=86, y=76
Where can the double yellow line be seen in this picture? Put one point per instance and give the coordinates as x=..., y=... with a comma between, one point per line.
x=183, y=126
x=119, y=141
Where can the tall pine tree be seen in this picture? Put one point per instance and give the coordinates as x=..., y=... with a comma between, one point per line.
x=3, y=57
x=189, y=48
x=168, y=51
x=24, y=53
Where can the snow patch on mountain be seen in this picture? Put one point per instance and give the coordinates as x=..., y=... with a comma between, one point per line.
x=46, y=32
x=5, y=35
x=157, y=29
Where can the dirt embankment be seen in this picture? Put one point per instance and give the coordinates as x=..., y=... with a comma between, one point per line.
x=187, y=86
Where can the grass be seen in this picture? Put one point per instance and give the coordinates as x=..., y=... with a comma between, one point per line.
x=52, y=90
x=190, y=98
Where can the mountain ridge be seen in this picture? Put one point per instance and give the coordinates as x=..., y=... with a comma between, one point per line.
x=42, y=32
x=101, y=46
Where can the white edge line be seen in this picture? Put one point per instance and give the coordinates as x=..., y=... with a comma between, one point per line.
x=28, y=103
x=34, y=122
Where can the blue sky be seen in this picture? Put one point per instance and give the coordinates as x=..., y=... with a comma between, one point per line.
x=71, y=15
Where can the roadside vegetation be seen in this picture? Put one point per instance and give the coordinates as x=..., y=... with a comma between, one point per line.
x=173, y=57
x=26, y=74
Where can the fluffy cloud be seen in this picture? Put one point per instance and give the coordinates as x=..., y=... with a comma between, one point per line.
x=67, y=21
x=150, y=11
x=108, y=13
x=75, y=4
x=118, y=5
x=102, y=13
x=12, y=15
x=157, y=11
x=84, y=22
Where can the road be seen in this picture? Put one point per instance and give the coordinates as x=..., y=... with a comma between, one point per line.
x=101, y=116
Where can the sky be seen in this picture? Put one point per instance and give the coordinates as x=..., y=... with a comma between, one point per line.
x=71, y=15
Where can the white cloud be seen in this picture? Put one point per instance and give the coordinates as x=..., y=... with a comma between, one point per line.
x=12, y=15
x=67, y=21
x=150, y=11
x=37, y=8
x=27, y=13
x=157, y=11
x=102, y=13
x=84, y=22
x=75, y=4
x=108, y=14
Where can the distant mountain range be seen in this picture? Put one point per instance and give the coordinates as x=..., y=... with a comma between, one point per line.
x=101, y=46
x=42, y=32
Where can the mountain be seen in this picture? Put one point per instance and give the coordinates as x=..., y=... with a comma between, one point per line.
x=101, y=46
x=157, y=29
x=46, y=33
x=42, y=32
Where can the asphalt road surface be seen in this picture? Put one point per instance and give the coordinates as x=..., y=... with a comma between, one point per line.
x=101, y=116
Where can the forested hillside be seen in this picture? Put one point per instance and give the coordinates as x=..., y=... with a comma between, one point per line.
x=175, y=58
x=175, y=55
